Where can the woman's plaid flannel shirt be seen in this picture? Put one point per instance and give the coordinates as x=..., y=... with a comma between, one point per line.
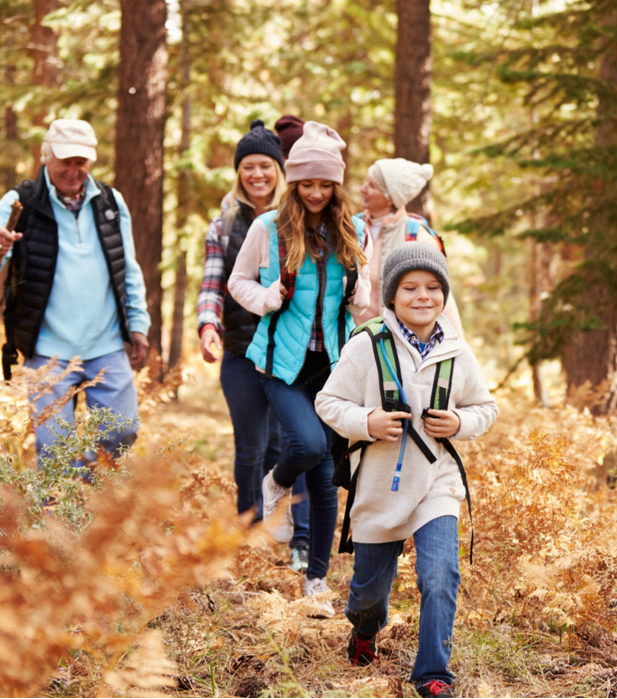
x=213, y=285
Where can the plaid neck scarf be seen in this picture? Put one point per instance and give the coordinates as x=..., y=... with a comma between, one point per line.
x=73, y=204
x=411, y=337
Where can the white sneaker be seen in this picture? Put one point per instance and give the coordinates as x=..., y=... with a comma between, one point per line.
x=324, y=608
x=275, y=495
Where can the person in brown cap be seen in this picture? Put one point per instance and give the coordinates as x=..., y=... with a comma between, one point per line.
x=74, y=287
x=289, y=128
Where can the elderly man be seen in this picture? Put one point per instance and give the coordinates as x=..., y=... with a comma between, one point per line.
x=74, y=287
x=390, y=184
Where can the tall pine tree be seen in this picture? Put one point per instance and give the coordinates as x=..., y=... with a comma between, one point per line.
x=140, y=128
x=566, y=65
x=412, y=87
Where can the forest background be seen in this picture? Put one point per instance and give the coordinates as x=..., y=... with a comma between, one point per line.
x=482, y=89
x=514, y=103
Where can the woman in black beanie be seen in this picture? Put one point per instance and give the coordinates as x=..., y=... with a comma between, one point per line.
x=259, y=140
x=257, y=188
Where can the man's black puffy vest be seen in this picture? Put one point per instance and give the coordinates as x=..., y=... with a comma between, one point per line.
x=239, y=324
x=32, y=267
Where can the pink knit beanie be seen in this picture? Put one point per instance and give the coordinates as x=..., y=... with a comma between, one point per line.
x=316, y=156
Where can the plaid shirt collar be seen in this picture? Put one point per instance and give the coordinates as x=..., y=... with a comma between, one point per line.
x=412, y=338
x=75, y=203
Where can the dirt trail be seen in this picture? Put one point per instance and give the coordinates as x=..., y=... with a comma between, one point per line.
x=251, y=631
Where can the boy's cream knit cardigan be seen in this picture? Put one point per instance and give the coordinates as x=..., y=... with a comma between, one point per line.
x=426, y=491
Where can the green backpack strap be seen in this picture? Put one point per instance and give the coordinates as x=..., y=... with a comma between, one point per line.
x=440, y=397
x=390, y=398
x=440, y=393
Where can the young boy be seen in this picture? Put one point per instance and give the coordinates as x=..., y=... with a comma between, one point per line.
x=426, y=505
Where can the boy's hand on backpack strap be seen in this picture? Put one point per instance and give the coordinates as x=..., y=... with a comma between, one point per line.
x=443, y=424
x=386, y=426
x=283, y=291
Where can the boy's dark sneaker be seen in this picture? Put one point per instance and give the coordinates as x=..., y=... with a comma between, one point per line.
x=435, y=688
x=361, y=649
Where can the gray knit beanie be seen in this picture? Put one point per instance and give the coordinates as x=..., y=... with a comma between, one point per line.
x=410, y=256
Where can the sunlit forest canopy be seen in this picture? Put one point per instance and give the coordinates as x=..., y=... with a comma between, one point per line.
x=522, y=102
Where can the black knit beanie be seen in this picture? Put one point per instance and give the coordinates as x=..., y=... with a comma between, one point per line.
x=410, y=256
x=259, y=140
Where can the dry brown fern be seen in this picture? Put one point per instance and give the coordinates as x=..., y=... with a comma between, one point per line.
x=145, y=670
x=544, y=523
x=95, y=591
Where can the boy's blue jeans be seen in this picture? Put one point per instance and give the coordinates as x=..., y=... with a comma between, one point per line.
x=116, y=391
x=308, y=452
x=375, y=567
x=257, y=439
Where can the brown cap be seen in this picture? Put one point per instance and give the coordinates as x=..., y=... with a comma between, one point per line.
x=289, y=129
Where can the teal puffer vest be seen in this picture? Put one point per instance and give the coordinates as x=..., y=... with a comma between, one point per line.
x=293, y=330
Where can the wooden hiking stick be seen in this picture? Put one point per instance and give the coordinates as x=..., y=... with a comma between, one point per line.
x=16, y=209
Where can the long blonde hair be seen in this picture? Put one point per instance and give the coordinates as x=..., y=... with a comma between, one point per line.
x=239, y=193
x=300, y=241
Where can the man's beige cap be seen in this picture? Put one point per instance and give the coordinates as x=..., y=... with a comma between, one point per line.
x=72, y=138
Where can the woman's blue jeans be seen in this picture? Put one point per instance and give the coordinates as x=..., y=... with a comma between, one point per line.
x=375, y=567
x=257, y=438
x=308, y=452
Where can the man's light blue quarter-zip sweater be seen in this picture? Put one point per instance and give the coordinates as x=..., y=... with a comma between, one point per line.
x=81, y=317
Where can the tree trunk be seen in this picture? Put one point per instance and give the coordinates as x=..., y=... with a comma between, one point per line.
x=9, y=155
x=592, y=356
x=177, y=329
x=412, y=89
x=140, y=127
x=175, y=347
x=43, y=52
x=344, y=129
x=540, y=283
x=540, y=277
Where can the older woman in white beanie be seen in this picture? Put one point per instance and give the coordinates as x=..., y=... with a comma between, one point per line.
x=390, y=184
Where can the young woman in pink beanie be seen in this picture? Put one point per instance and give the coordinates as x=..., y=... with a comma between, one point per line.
x=303, y=269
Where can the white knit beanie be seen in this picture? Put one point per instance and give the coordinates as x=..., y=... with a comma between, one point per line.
x=404, y=179
x=316, y=155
